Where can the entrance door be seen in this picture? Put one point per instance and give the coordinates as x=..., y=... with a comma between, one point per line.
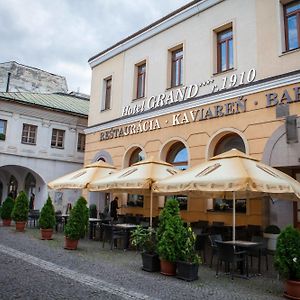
x=297, y=204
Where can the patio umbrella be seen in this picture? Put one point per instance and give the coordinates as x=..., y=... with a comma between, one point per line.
x=231, y=175
x=80, y=178
x=136, y=179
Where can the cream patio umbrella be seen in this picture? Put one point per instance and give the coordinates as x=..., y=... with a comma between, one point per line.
x=231, y=175
x=136, y=179
x=80, y=178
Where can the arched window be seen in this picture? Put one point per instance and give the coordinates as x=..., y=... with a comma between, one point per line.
x=1, y=192
x=101, y=159
x=13, y=187
x=30, y=184
x=229, y=142
x=136, y=156
x=178, y=157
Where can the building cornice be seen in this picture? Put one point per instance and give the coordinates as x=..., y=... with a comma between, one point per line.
x=172, y=19
x=251, y=88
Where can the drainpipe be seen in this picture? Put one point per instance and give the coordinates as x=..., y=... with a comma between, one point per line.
x=8, y=80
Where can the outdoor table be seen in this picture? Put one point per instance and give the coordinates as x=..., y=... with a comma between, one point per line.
x=127, y=227
x=246, y=245
x=92, y=227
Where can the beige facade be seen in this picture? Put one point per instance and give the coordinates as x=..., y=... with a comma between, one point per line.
x=253, y=100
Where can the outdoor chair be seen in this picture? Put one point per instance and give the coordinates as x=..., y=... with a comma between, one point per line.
x=200, y=244
x=112, y=235
x=228, y=254
x=214, y=248
x=253, y=230
x=200, y=224
x=260, y=250
x=33, y=217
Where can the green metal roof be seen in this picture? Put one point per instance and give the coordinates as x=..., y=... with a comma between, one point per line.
x=59, y=102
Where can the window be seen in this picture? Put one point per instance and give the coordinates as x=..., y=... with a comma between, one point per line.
x=225, y=50
x=81, y=142
x=107, y=95
x=229, y=142
x=29, y=134
x=292, y=25
x=141, y=77
x=177, y=67
x=178, y=157
x=57, y=140
x=136, y=156
x=3, y=124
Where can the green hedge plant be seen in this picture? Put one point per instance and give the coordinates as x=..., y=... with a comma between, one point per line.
x=287, y=254
x=21, y=209
x=171, y=233
x=77, y=224
x=144, y=239
x=47, y=218
x=7, y=208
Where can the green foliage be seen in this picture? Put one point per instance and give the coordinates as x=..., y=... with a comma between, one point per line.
x=272, y=229
x=144, y=238
x=287, y=254
x=78, y=220
x=20, y=210
x=171, y=233
x=47, y=218
x=188, y=251
x=2, y=137
x=93, y=211
x=7, y=208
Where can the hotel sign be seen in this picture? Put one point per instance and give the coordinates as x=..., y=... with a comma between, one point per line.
x=188, y=92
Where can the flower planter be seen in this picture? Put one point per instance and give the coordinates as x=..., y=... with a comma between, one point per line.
x=187, y=271
x=20, y=226
x=46, y=234
x=272, y=240
x=6, y=222
x=70, y=244
x=292, y=289
x=151, y=262
x=167, y=268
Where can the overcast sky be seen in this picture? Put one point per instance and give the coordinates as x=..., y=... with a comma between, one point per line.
x=59, y=36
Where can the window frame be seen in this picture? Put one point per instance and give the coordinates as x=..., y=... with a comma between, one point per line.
x=286, y=31
x=27, y=130
x=57, y=137
x=219, y=45
x=81, y=142
x=177, y=80
x=107, y=96
x=3, y=134
x=141, y=75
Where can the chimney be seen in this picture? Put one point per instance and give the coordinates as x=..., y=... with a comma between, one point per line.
x=8, y=81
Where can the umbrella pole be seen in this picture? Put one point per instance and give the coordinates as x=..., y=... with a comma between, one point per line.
x=151, y=207
x=233, y=217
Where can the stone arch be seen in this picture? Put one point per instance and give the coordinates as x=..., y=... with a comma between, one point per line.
x=103, y=155
x=218, y=135
x=278, y=153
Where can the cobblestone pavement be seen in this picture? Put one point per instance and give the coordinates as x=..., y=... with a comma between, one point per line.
x=34, y=269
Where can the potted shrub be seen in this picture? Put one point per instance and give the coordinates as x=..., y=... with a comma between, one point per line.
x=287, y=260
x=170, y=235
x=144, y=239
x=47, y=220
x=6, y=210
x=93, y=211
x=271, y=232
x=188, y=265
x=20, y=211
x=77, y=224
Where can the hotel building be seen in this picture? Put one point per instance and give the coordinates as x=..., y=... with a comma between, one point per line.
x=210, y=76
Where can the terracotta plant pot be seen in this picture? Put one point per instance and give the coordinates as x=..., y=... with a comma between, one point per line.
x=46, y=234
x=70, y=244
x=20, y=226
x=292, y=289
x=167, y=268
x=6, y=222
